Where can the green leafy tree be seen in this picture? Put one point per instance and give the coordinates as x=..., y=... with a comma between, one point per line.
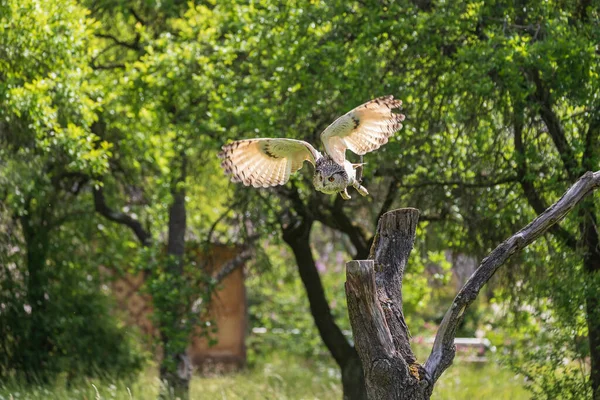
x=47, y=152
x=502, y=105
x=158, y=119
x=517, y=91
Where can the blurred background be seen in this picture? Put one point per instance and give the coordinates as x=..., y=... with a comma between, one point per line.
x=131, y=268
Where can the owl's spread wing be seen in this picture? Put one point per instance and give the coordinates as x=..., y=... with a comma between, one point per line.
x=265, y=162
x=364, y=129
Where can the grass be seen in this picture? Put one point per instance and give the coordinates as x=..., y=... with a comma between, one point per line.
x=286, y=378
x=476, y=381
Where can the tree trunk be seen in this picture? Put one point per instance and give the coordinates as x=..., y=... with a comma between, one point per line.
x=591, y=264
x=353, y=378
x=37, y=346
x=374, y=293
x=373, y=289
x=176, y=367
x=298, y=238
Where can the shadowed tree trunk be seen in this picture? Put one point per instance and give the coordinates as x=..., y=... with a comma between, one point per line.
x=176, y=367
x=374, y=292
x=298, y=238
x=37, y=348
x=591, y=258
x=591, y=264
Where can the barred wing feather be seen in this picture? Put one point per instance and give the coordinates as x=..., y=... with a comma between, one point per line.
x=364, y=129
x=265, y=162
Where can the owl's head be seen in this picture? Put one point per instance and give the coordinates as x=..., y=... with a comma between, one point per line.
x=330, y=177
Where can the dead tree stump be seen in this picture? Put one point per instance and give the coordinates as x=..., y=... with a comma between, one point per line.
x=374, y=292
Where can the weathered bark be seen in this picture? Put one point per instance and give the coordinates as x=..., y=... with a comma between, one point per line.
x=374, y=292
x=390, y=250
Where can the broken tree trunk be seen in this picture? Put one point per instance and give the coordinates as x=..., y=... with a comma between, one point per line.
x=374, y=293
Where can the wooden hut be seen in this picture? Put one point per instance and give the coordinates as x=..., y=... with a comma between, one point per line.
x=227, y=309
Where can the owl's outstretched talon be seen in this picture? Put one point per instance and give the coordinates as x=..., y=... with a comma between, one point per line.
x=345, y=194
x=361, y=189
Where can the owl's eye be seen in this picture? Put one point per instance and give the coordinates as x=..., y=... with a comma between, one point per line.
x=331, y=179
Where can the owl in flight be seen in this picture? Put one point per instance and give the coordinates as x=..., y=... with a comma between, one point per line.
x=268, y=162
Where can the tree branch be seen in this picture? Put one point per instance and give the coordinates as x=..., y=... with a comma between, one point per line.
x=135, y=45
x=297, y=237
x=336, y=218
x=332, y=216
x=444, y=350
x=531, y=194
x=136, y=16
x=116, y=216
x=555, y=129
x=232, y=265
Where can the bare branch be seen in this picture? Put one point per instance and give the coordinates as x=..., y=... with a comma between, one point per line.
x=443, y=350
x=137, y=16
x=116, y=216
x=135, y=45
x=232, y=265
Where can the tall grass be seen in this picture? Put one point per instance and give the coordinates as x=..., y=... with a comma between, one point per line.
x=277, y=378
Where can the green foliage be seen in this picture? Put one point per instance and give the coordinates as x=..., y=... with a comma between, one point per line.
x=44, y=105
x=49, y=288
x=83, y=339
x=278, y=303
x=543, y=325
x=136, y=97
x=466, y=70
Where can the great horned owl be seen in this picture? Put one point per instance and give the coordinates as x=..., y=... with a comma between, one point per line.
x=268, y=162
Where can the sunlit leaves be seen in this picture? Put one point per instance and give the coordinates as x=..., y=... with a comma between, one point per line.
x=44, y=102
